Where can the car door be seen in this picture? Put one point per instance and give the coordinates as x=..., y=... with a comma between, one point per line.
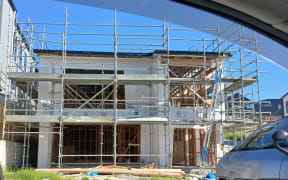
x=256, y=157
x=252, y=164
x=284, y=163
x=284, y=169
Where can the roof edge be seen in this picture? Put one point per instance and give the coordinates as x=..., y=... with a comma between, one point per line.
x=12, y=5
x=132, y=54
x=284, y=96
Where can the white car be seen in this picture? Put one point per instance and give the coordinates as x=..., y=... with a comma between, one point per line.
x=262, y=155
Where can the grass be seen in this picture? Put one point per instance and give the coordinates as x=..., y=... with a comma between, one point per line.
x=85, y=178
x=29, y=174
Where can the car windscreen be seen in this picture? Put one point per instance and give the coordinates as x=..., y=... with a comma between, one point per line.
x=262, y=138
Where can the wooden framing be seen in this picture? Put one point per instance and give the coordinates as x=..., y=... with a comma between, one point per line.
x=189, y=61
x=187, y=89
x=179, y=144
x=192, y=147
x=195, y=144
x=129, y=142
x=75, y=95
x=86, y=140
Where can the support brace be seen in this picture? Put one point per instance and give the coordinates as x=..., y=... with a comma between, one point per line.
x=92, y=97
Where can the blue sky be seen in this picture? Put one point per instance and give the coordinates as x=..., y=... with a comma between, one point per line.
x=273, y=84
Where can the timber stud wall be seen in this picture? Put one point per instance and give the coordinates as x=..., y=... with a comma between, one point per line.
x=86, y=140
x=195, y=143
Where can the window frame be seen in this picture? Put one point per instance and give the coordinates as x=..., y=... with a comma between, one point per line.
x=243, y=146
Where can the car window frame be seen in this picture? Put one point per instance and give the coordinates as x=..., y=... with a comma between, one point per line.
x=243, y=145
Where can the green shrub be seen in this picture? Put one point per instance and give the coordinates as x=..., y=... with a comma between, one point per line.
x=230, y=135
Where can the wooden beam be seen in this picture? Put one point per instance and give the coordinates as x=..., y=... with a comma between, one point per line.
x=106, y=98
x=172, y=72
x=80, y=91
x=70, y=88
x=196, y=62
x=113, y=82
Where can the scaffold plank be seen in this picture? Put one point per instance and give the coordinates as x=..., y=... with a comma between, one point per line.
x=87, y=78
x=82, y=119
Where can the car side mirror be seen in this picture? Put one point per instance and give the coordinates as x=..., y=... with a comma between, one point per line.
x=280, y=135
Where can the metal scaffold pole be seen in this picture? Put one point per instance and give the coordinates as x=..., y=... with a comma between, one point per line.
x=258, y=82
x=166, y=127
x=101, y=145
x=24, y=147
x=168, y=98
x=115, y=89
x=205, y=78
x=4, y=113
x=242, y=98
x=26, y=135
x=28, y=95
x=241, y=95
x=6, y=89
x=60, y=153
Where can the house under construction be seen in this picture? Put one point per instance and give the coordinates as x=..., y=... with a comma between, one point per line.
x=96, y=94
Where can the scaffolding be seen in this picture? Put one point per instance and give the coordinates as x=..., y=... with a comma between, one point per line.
x=188, y=84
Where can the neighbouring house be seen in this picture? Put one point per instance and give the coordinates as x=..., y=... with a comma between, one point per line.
x=15, y=56
x=271, y=109
x=284, y=103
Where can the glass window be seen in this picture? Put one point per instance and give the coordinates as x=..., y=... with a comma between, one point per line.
x=266, y=105
x=279, y=106
x=262, y=138
x=249, y=107
x=286, y=106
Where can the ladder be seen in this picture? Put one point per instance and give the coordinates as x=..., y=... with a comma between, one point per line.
x=211, y=116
